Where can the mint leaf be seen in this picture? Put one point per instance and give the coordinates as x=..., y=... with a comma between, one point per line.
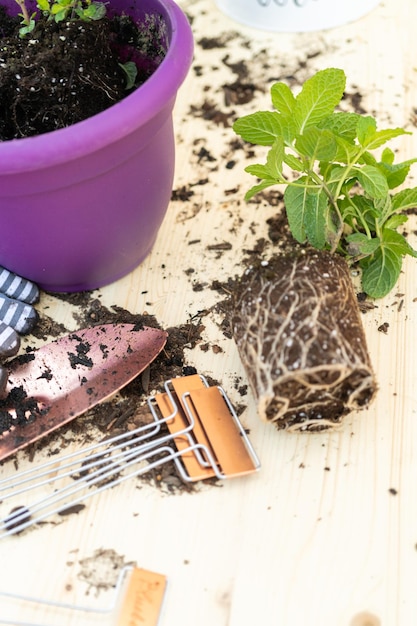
x=405, y=199
x=293, y=162
x=381, y=273
x=295, y=198
x=395, y=174
x=273, y=167
x=359, y=244
x=366, y=129
x=342, y=124
x=274, y=160
x=96, y=11
x=395, y=221
x=396, y=242
x=261, y=128
x=130, y=69
x=258, y=188
x=387, y=156
x=259, y=170
x=319, y=96
x=317, y=144
x=315, y=218
x=373, y=181
x=347, y=152
x=282, y=98
x=371, y=138
x=382, y=136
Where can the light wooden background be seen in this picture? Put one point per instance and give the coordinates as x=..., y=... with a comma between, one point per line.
x=316, y=537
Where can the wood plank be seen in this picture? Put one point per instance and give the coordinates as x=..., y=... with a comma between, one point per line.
x=325, y=534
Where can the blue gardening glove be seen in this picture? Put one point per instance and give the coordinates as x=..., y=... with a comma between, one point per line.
x=17, y=315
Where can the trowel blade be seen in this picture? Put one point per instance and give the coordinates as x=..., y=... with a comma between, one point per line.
x=61, y=380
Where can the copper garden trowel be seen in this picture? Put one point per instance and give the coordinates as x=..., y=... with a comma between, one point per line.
x=54, y=384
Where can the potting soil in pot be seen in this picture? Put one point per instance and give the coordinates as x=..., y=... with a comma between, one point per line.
x=64, y=72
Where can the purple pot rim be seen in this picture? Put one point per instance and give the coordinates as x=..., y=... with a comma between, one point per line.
x=121, y=119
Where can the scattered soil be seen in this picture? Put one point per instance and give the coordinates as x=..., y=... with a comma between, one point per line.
x=25, y=409
x=383, y=328
x=241, y=93
x=102, y=569
x=65, y=72
x=128, y=409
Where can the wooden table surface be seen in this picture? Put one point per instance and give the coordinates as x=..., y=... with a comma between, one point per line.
x=325, y=534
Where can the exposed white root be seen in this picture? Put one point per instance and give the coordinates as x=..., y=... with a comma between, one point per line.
x=299, y=333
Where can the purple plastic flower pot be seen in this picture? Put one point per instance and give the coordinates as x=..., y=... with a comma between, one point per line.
x=81, y=207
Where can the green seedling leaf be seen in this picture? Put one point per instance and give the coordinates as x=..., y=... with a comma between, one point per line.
x=293, y=162
x=60, y=10
x=258, y=170
x=372, y=180
x=342, y=124
x=317, y=144
x=387, y=156
x=395, y=221
x=315, y=218
x=347, y=152
x=382, y=136
x=381, y=273
x=282, y=98
x=361, y=245
x=258, y=188
x=26, y=30
x=262, y=128
x=296, y=204
x=131, y=71
x=319, y=96
x=405, y=199
x=61, y=15
x=274, y=160
x=96, y=11
x=366, y=129
x=61, y=5
x=395, y=174
x=360, y=214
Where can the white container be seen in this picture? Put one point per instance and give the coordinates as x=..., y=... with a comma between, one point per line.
x=295, y=15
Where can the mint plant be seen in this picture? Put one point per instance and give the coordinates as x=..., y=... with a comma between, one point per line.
x=81, y=9
x=338, y=190
x=60, y=10
x=27, y=21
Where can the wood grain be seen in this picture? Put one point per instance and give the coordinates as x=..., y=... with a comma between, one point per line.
x=326, y=533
